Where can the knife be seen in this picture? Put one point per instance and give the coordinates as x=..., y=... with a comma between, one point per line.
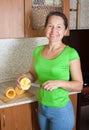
x=35, y=85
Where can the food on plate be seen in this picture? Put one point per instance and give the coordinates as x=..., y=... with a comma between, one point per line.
x=19, y=91
x=10, y=92
x=25, y=83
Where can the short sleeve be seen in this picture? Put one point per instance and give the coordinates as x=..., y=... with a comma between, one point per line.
x=73, y=54
x=37, y=50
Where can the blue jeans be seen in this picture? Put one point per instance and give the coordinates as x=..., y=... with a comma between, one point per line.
x=56, y=118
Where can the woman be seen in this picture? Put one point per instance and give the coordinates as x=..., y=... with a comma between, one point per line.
x=52, y=65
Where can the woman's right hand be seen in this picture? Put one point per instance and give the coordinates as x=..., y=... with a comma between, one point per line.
x=19, y=79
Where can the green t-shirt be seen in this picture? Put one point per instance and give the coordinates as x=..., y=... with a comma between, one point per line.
x=53, y=69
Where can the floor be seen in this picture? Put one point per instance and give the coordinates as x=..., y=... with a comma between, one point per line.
x=84, y=118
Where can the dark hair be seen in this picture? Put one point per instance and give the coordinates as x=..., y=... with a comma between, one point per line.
x=56, y=13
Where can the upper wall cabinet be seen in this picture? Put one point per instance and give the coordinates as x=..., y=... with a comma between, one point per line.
x=26, y=18
x=38, y=11
x=11, y=18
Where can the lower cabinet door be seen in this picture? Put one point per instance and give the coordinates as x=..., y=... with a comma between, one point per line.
x=35, y=124
x=16, y=118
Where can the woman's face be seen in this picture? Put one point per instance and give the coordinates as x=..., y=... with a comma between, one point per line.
x=55, y=29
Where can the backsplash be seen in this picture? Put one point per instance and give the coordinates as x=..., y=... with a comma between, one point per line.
x=16, y=55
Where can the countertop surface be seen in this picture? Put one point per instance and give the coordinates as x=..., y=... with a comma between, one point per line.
x=28, y=97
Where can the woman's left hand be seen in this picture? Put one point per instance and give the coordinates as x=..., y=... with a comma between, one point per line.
x=50, y=85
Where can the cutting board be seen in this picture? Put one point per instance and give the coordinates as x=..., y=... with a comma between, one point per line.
x=24, y=96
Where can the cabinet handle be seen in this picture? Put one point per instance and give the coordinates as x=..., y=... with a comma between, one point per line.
x=4, y=119
x=36, y=110
x=28, y=22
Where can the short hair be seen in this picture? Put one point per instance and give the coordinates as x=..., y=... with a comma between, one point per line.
x=57, y=13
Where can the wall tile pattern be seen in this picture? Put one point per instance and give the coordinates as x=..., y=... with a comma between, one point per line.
x=16, y=55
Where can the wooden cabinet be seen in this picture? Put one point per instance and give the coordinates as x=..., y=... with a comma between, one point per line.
x=17, y=18
x=19, y=117
x=37, y=13
x=35, y=124
x=16, y=118
x=11, y=18
x=24, y=117
x=74, y=102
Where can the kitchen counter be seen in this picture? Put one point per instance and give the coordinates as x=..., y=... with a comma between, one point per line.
x=28, y=97
x=19, y=99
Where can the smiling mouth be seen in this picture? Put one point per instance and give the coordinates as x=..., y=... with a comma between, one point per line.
x=53, y=35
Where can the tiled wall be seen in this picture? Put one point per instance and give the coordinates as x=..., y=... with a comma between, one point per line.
x=16, y=55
